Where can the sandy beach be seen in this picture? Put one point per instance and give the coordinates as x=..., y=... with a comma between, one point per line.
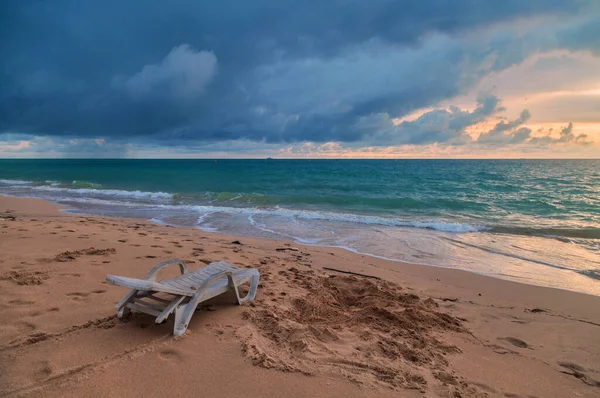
x=326, y=322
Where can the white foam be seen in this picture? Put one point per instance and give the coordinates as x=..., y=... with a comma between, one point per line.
x=157, y=221
x=108, y=192
x=261, y=226
x=345, y=217
x=206, y=210
x=15, y=182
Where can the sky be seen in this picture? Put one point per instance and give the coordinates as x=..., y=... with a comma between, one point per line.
x=300, y=79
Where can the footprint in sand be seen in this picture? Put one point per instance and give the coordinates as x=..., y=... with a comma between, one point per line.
x=44, y=370
x=98, y=291
x=484, y=387
x=169, y=354
x=71, y=274
x=572, y=366
x=579, y=372
x=78, y=296
x=53, y=309
x=28, y=327
x=498, y=349
x=514, y=341
x=21, y=302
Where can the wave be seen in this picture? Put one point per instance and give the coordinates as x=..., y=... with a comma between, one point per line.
x=561, y=234
x=343, y=217
x=106, y=192
x=550, y=232
x=259, y=204
x=84, y=188
x=84, y=184
x=205, y=211
x=15, y=182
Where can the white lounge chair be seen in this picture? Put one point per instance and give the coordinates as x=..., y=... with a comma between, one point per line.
x=186, y=291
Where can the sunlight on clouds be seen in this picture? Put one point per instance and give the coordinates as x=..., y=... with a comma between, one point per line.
x=15, y=147
x=555, y=86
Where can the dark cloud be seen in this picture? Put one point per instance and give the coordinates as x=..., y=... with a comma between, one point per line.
x=273, y=71
x=182, y=76
x=437, y=125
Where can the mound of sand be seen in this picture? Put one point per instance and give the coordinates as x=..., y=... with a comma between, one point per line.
x=366, y=330
x=72, y=255
x=25, y=277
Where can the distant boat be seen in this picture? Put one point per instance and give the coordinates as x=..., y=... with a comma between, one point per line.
x=269, y=158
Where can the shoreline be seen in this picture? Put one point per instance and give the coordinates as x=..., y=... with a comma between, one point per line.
x=533, y=246
x=533, y=340
x=508, y=278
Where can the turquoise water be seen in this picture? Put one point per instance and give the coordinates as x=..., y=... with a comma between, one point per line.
x=535, y=221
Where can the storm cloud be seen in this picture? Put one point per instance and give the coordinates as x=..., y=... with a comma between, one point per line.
x=270, y=71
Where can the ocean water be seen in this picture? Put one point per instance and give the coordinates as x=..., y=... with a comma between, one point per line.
x=533, y=221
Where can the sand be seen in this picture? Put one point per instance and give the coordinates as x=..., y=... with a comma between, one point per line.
x=326, y=322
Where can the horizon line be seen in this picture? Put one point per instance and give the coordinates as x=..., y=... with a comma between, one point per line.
x=278, y=158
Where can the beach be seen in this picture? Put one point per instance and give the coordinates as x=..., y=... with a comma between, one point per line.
x=326, y=321
x=522, y=220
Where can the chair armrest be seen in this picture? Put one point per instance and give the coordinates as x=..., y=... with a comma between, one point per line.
x=152, y=273
x=206, y=283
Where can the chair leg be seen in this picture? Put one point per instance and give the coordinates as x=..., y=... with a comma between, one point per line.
x=169, y=309
x=121, y=305
x=234, y=289
x=183, y=315
x=184, y=312
x=252, y=291
x=123, y=312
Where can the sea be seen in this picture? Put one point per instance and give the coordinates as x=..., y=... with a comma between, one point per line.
x=531, y=221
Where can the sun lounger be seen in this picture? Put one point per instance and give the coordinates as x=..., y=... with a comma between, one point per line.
x=184, y=293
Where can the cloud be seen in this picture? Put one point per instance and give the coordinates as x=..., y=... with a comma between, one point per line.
x=269, y=72
x=182, y=75
x=566, y=137
x=437, y=125
x=504, y=132
x=62, y=147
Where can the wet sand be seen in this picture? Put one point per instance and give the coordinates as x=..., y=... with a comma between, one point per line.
x=326, y=322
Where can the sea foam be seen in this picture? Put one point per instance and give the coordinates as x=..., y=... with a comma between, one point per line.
x=107, y=192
